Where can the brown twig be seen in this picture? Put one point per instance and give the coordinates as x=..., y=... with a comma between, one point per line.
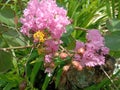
x=19, y=47
x=109, y=78
x=64, y=50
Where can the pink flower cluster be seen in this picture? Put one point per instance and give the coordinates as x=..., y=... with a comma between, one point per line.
x=44, y=14
x=94, y=50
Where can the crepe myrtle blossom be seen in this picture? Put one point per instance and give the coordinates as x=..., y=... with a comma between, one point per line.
x=52, y=45
x=77, y=55
x=48, y=58
x=45, y=22
x=44, y=15
x=95, y=50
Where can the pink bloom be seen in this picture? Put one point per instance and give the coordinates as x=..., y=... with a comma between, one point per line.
x=52, y=45
x=104, y=50
x=77, y=57
x=48, y=58
x=94, y=35
x=96, y=42
x=96, y=45
x=28, y=19
x=91, y=59
x=94, y=50
x=79, y=45
x=44, y=14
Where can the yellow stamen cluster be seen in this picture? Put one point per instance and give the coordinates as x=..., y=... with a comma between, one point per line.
x=39, y=36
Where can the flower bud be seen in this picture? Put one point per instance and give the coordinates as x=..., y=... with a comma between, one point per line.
x=80, y=50
x=22, y=85
x=80, y=68
x=63, y=55
x=66, y=68
x=77, y=65
x=71, y=21
x=52, y=64
x=56, y=54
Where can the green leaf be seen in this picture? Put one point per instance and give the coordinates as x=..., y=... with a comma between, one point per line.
x=119, y=9
x=58, y=76
x=2, y=42
x=7, y=16
x=113, y=25
x=69, y=30
x=46, y=82
x=69, y=42
x=116, y=54
x=112, y=41
x=36, y=69
x=7, y=1
x=11, y=36
x=8, y=77
x=108, y=8
x=32, y=57
x=100, y=85
x=5, y=61
x=9, y=86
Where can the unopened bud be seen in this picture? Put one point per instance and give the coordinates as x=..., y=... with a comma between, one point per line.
x=52, y=65
x=63, y=55
x=56, y=54
x=16, y=20
x=80, y=68
x=66, y=68
x=71, y=20
x=22, y=85
x=46, y=65
x=80, y=50
x=77, y=65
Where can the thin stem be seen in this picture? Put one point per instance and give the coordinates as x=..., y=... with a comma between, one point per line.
x=63, y=49
x=118, y=9
x=109, y=77
x=80, y=28
x=108, y=8
x=113, y=8
x=19, y=47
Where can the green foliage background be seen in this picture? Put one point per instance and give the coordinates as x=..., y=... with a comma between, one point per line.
x=85, y=14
